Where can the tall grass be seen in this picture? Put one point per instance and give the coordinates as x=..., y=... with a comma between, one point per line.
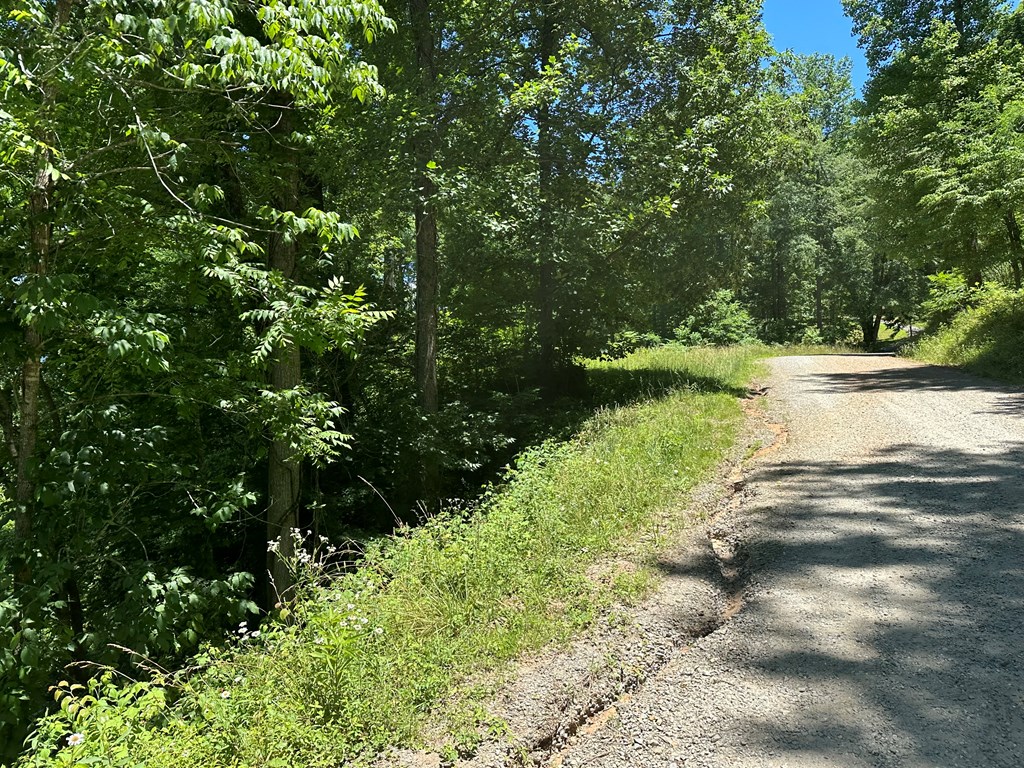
x=357, y=663
x=987, y=339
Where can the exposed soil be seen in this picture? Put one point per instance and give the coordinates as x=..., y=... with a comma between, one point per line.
x=856, y=597
x=562, y=694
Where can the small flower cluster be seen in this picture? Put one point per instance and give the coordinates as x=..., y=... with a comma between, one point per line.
x=358, y=623
x=225, y=693
x=311, y=558
x=336, y=596
x=244, y=633
x=354, y=622
x=303, y=557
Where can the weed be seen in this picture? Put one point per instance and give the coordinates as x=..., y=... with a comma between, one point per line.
x=361, y=658
x=984, y=339
x=629, y=586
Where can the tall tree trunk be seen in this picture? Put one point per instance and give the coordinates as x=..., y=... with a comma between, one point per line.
x=1016, y=247
x=426, y=246
x=870, y=327
x=31, y=369
x=819, y=314
x=284, y=467
x=283, y=478
x=7, y=424
x=547, y=330
x=976, y=276
x=40, y=245
x=781, y=298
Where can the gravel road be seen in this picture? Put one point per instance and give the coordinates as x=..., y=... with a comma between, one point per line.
x=884, y=619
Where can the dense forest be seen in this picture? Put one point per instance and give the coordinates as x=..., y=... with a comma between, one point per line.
x=329, y=266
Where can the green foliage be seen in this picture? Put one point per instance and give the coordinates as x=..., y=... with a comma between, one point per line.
x=719, y=321
x=121, y=706
x=354, y=664
x=126, y=137
x=936, y=126
x=825, y=261
x=984, y=338
x=950, y=294
x=626, y=343
x=211, y=234
x=886, y=27
x=821, y=87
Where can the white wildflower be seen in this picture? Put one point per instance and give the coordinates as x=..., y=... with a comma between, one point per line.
x=76, y=739
x=225, y=694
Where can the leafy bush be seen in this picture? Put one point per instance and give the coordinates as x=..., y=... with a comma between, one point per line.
x=949, y=295
x=627, y=342
x=811, y=335
x=356, y=663
x=165, y=614
x=720, y=321
x=984, y=339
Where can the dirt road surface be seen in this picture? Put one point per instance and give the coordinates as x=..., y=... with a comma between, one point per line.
x=884, y=619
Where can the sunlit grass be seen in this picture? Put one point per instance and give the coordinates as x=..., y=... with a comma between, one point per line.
x=797, y=350
x=359, y=663
x=987, y=340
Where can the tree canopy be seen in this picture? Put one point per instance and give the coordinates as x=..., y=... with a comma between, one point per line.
x=328, y=266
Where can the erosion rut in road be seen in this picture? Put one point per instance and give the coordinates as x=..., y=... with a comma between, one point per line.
x=884, y=620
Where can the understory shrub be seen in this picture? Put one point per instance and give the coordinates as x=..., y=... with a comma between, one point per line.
x=363, y=655
x=984, y=338
x=627, y=342
x=720, y=321
x=949, y=294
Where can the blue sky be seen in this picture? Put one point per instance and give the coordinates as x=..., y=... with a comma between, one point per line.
x=814, y=26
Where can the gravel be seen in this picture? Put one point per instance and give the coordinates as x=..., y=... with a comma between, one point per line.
x=884, y=618
x=866, y=606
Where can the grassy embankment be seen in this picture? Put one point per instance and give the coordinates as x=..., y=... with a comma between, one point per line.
x=987, y=339
x=360, y=660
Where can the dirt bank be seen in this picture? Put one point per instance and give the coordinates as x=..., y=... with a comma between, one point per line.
x=862, y=602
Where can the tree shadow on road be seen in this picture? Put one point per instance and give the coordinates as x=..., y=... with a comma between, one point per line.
x=923, y=378
x=932, y=542
x=917, y=378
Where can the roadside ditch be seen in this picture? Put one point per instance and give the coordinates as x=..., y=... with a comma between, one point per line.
x=566, y=692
